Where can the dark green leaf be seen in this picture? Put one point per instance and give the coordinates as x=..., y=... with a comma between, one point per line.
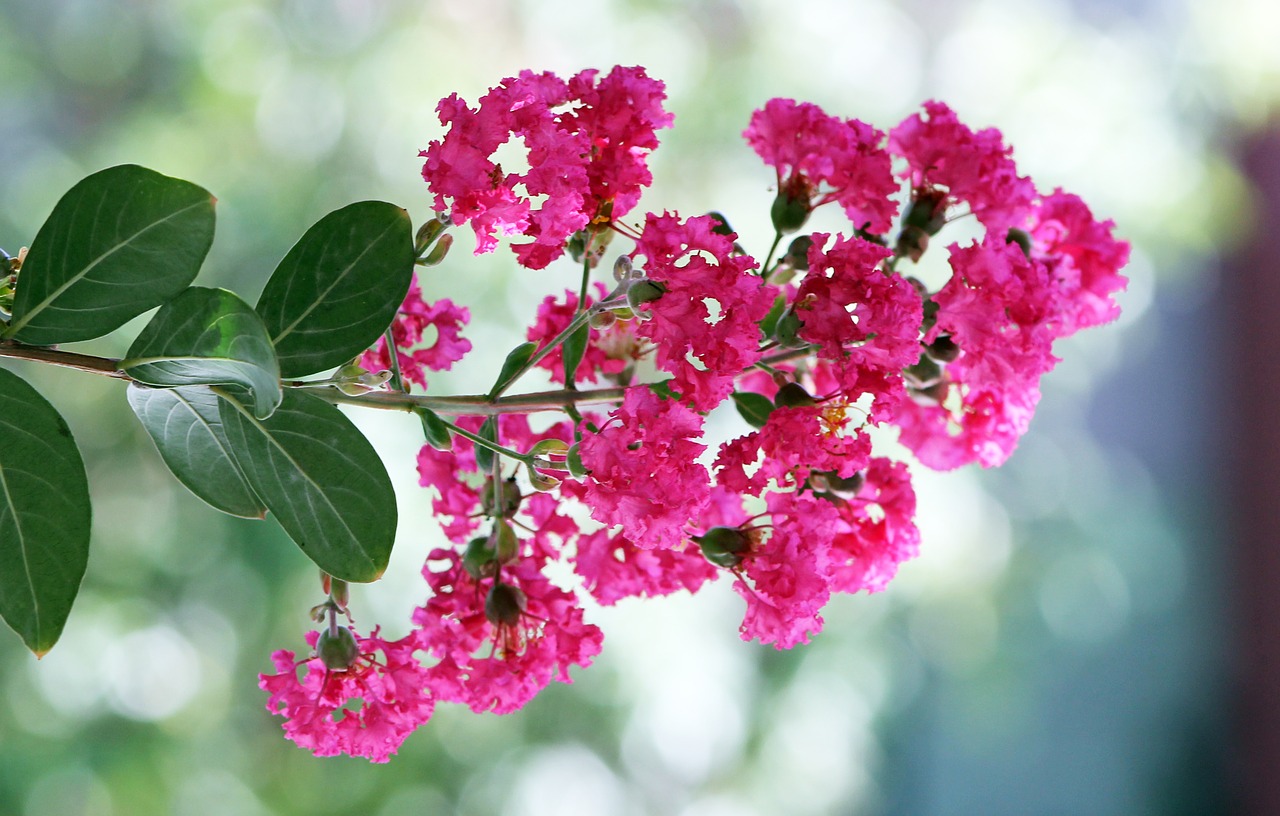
x=187, y=428
x=340, y=286
x=436, y=431
x=122, y=241
x=663, y=389
x=484, y=456
x=321, y=479
x=512, y=367
x=208, y=337
x=44, y=515
x=575, y=346
x=755, y=408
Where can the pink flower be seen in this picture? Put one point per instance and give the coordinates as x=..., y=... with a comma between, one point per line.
x=695, y=265
x=500, y=640
x=415, y=318
x=389, y=692
x=821, y=158
x=866, y=322
x=643, y=469
x=612, y=568
x=587, y=145
x=877, y=530
x=784, y=578
x=976, y=168
x=794, y=441
x=1084, y=260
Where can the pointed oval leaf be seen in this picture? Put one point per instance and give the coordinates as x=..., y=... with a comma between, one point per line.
x=44, y=515
x=512, y=367
x=208, y=337
x=321, y=479
x=754, y=408
x=120, y=242
x=187, y=429
x=340, y=286
x=575, y=346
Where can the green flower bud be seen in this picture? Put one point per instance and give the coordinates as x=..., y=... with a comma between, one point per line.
x=340, y=593
x=574, y=460
x=427, y=234
x=789, y=213
x=793, y=395
x=602, y=320
x=943, y=349
x=797, y=256
x=924, y=373
x=787, y=331
x=511, y=498
x=644, y=291
x=504, y=542
x=337, y=648
x=480, y=558
x=724, y=546
x=504, y=605
x=441, y=249
x=1021, y=238
x=828, y=481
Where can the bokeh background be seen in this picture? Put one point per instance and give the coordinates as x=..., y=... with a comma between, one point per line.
x=1064, y=644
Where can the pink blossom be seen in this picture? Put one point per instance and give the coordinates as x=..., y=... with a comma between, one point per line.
x=587, y=145
x=612, y=568
x=967, y=424
x=784, y=579
x=821, y=158
x=695, y=265
x=974, y=168
x=877, y=529
x=500, y=664
x=412, y=322
x=643, y=469
x=387, y=682
x=865, y=321
x=794, y=441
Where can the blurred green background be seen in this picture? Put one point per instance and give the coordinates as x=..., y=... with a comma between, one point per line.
x=1057, y=648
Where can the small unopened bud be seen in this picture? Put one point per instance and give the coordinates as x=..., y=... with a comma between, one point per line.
x=480, y=558
x=797, y=256
x=644, y=291
x=789, y=213
x=506, y=546
x=511, y=498
x=542, y=482
x=574, y=460
x=602, y=320
x=440, y=250
x=337, y=648
x=724, y=546
x=504, y=605
x=340, y=593
x=828, y=481
x=924, y=373
x=793, y=395
x=427, y=234
x=787, y=332
x=943, y=349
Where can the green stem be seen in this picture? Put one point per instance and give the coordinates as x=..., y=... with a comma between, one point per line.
x=493, y=446
x=393, y=354
x=473, y=405
x=106, y=366
x=777, y=239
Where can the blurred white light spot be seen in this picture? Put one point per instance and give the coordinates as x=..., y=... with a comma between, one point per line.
x=151, y=673
x=1084, y=597
x=240, y=47
x=300, y=115
x=567, y=780
x=69, y=791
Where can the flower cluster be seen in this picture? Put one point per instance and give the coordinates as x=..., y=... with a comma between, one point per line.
x=814, y=346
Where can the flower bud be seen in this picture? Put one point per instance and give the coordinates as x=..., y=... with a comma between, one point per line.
x=340, y=593
x=574, y=460
x=828, y=481
x=724, y=546
x=943, y=349
x=441, y=249
x=797, y=256
x=504, y=542
x=622, y=268
x=602, y=320
x=644, y=291
x=511, y=498
x=793, y=395
x=924, y=373
x=789, y=213
x=427, y=234
x=480, y=558
x=337, y=648
x=504, y=605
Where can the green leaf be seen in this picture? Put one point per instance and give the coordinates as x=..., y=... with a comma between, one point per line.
x=44, y=515
x=770, y=320
x=321, y=479
x=339, y=288
x=187, y=428
x=512, y=367
x=755, y=408
x=575, y=346
x=484, y=456
x=208, y=337
x=120, y=242
x=436, y=431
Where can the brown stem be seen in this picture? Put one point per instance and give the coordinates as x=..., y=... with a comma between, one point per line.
x=107, y=366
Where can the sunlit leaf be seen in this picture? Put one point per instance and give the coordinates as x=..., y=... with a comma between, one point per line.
x=208, y=337
x=187, y=428
x=321, y=479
